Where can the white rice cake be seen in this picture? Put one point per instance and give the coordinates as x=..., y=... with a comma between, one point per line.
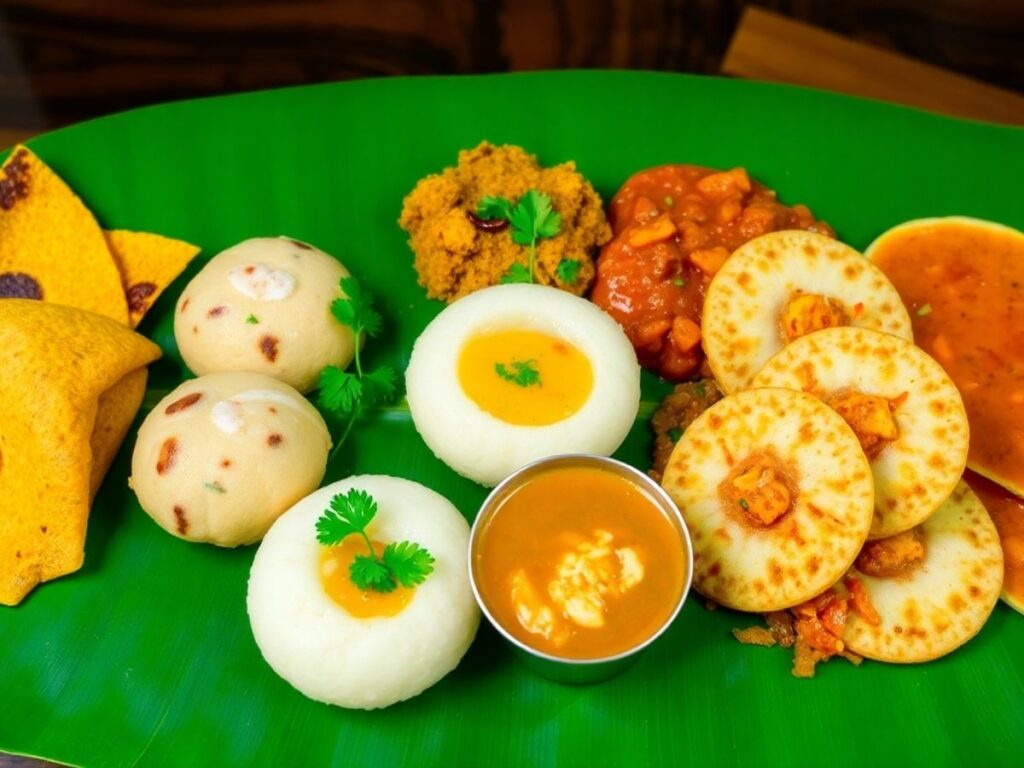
x=748, y=299
x=745, y=563
x=946, y=600
x=915, y=472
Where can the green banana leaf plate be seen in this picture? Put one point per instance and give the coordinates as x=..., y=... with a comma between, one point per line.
x=145, y=656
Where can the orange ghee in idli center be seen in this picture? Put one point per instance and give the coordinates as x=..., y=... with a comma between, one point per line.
x=360, y=603
x=580, y=563
x=525, y=378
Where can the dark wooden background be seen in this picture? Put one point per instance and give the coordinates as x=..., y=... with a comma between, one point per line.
x=66, y=60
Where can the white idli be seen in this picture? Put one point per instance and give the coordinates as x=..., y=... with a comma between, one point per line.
x=485, y=448
x=333, y=657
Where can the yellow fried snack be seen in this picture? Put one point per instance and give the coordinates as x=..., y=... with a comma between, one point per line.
x=148, y=264
x=932, y=588
x=51, y=247
x=58, y=363
x=777, y=495
x=904, y=409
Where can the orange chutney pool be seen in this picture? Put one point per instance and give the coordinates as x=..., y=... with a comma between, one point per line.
x=579, y=563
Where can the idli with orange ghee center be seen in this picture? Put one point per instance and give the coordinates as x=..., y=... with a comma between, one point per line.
x=904, y=409
x=395, y=648
x=932, y=588
x=777, y=495
x=513, y=373
x=784, y=285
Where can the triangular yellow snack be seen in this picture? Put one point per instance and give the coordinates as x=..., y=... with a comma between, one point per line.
x=58, y=362
x=51, y=247
x=148, y=264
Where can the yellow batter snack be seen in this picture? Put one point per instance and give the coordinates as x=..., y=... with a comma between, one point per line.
x=63, y=367
x=51, y=247
x=148, y=264
x=456, y=253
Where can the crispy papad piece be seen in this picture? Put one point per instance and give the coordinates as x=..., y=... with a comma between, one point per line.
x=782, y=285
x=730, y=470
x=939, y=600
x=148, y=264
x=58, y=362
x=902, y=405
x=51, y=247
x=1007, y=512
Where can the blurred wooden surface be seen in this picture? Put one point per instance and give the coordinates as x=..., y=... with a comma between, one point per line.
x=768, y=46
x=66, y=60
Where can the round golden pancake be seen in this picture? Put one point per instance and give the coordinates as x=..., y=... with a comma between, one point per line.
x=945, y=600
x=782, y=285
x=730, y=473
x=899, y=401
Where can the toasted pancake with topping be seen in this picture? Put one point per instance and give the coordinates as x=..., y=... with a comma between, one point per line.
x=777, y=495
x=936, y=585
x=147, y=263
x=904, y=409
x=784, y=285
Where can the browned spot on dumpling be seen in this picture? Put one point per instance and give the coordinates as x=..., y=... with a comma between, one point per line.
x=219, y=311
x=181, y=522
x=18, y=285
x=715, y=569
x=195, y=329
x=182, y=403
x=14, y=185
x=268, y=346
x=138, y=296
x=168, y=454
x=184, y=305
x=956, y=603
x=274, y=439
x=225, y=463
x=302, y=245
x=42, y=529
x=271, y=409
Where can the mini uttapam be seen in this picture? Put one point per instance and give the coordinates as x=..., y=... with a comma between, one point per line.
x=904, y=409
x=784, y=285
x=777, y=495
x=932, y=588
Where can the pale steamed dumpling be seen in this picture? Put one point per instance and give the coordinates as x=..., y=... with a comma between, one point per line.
x=264, y=306
x=332, y=656
x=223, y=455
x=513, y=373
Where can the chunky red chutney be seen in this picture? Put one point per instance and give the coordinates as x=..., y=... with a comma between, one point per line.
x=674, y=226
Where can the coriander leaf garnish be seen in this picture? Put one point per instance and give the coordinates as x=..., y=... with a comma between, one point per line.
x=700, y=390
x=356, y=309
x=344, y=395
x=367, y=572
x=674, y=434
x=924, y=311
x=408, y=562
x=405, y=563
x=252, y=320
x=744, y=505
x=517, y=273
x=519, y=372
x=215, y=487
x=568, y=271
x=491, y=208
x=678, y=282
x=532, y=218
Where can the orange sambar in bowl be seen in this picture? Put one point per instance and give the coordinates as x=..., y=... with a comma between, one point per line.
x=578, y=561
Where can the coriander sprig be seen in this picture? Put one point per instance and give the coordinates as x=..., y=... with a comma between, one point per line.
x=522, y=373
x=345, y=395
x=531, y=219
x=405, y=563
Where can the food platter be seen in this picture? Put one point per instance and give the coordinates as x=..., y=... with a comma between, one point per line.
x=146, y=657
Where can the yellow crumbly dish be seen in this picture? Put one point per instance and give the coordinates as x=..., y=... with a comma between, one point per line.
x=454, y=256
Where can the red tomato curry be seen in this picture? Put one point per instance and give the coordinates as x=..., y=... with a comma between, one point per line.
x=674, y=226
x=1007, y=512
